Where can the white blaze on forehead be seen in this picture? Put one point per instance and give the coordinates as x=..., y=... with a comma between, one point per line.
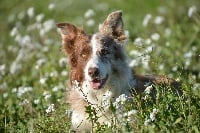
x=95, y=45
x=95, y=59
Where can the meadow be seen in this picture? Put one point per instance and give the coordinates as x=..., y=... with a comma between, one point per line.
x=164, y=40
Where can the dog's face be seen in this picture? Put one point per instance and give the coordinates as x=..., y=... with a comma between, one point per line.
x=94, y=59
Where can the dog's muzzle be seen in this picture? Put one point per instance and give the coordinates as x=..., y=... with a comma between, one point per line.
x=97, y=82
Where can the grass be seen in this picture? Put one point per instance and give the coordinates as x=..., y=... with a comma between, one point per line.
x=34, y=76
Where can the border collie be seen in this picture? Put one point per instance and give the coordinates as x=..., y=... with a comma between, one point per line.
x=99, y=70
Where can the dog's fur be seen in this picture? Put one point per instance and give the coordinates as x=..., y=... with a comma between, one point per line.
x=99, y=69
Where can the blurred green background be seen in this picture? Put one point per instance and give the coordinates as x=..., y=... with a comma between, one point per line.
x=164, y=39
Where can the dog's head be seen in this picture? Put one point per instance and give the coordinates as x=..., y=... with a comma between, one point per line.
x=95, y=59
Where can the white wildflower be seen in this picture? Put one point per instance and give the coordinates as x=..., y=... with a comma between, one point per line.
x=148, y=89
x=76, y=85
x=90, y=22
x=5, y=95
x=138, y=41
x=51, y=6
x=105, y=104
x=18, y=38
x=14, y=31
x=14, y=90
x=120, y=101
x=167, y=32
x=42, y=32
x=192, y=10
x=146, y=20
x=148, y=41
x=134, y=53
x=45, y=49
x=175, y=68
x=43, y=81
x=36, y=101
x=161, y=66
x=15, y=67
x=63, y=62
x=187, y=63
x=24, y=102
x=89, y=13
x=155, y=36
x=122, y=98
x=129, y=116
x=39, y=17
x=152, y=117
x=188, y=54
x=46, y=95
x=196, y=86
x=131, y=112
x=146, y=122
x=55, y=88
x=25, y=40
x=105, y=99
x=50, y=108
x=2, y=69
x=134, y=63
x=37, y=67
x=41, y=62
x=145, y=61
x=47, y=26
x=64, y=73
x=22, y=90
x=30, y=12
x=149, y=49
x=159, y=19
x=53, y=74
x=153, y=114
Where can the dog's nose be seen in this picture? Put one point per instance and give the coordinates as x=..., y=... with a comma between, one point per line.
x=93, y=71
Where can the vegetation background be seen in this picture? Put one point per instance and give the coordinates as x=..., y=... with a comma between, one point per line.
x=164, y=39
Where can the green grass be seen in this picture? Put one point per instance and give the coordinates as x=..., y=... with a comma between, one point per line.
x=33, y=72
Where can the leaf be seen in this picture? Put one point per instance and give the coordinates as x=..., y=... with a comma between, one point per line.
x=178, y=120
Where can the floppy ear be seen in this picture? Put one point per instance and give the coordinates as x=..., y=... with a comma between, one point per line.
x=69, y=33
x=113, y=26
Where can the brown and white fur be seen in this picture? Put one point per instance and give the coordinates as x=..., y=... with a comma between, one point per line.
x=98, y=68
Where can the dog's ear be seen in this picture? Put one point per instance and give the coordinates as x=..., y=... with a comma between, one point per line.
x=113, y=26
x=69, y=33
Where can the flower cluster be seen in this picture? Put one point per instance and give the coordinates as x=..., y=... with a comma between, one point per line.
x=152, y=116
x=50, y=109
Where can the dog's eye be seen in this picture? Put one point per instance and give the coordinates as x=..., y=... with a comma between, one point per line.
x=105, y=52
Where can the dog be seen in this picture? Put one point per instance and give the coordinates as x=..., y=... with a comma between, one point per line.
x=99, y=70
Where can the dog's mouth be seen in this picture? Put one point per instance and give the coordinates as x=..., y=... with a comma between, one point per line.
x=98, y=83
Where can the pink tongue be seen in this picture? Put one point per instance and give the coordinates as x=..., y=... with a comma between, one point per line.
x=95, y=85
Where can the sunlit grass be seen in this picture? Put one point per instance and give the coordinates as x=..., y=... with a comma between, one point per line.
x=164, y=39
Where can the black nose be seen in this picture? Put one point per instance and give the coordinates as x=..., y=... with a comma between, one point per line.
x=93, y=72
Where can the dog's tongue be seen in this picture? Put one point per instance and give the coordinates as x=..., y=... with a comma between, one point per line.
x=96, y=84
